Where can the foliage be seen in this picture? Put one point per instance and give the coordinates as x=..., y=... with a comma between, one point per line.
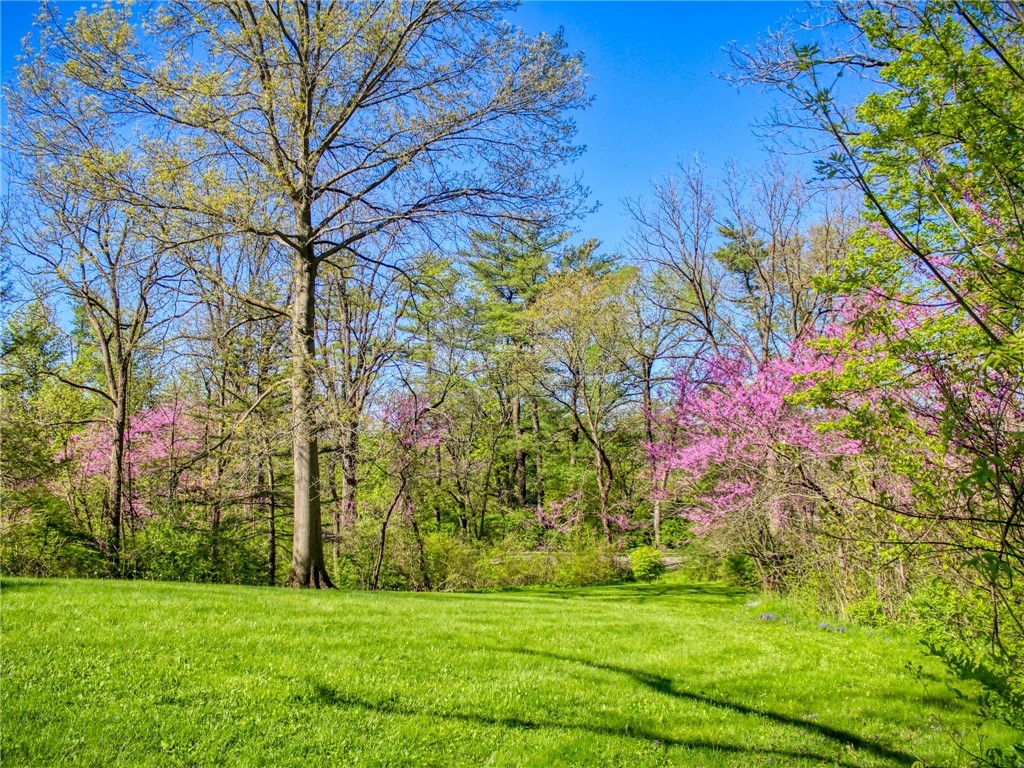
x=137, y=128
x=646, y=563
x=379, y=339
x=932, y=378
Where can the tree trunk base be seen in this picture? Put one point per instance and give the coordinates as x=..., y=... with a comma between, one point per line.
x=315, y=578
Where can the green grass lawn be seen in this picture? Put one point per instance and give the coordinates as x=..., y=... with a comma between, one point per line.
x=138, y=674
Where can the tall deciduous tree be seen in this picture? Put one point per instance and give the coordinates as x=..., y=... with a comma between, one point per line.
x=93, y=256
x=316, y=125
x=579, y=349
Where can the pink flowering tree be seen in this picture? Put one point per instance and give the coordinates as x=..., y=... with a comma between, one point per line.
x=933, y=388
x=414, y=424
x=560, y=515
x=740, y=457
x=938, y=277
x=850, y=440
x=411, y=427
x=158, y=441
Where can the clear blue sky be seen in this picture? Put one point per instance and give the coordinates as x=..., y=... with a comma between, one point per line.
x=652, y=68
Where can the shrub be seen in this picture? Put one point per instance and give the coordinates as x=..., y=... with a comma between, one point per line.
x=646, y=563
x=452, y=561
x=42, y=542
x=589, y=561
x=738, y=570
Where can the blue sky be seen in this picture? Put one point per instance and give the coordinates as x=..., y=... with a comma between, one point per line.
x=658, y=100
x=652, y=71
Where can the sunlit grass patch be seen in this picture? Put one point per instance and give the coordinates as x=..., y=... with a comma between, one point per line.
x=137, y=674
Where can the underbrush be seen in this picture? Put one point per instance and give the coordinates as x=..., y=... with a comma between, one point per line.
x=439, y=561
x=954, y=616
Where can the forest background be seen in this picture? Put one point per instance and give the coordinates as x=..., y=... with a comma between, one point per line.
x=305, y=295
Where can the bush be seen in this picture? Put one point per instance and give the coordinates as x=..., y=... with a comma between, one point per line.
x=868, y=609
x=451, y=561
x=739, y=571
x=455, y=563
x=590, y=561
x=955, y=621
x=42, y=542
x=646, y=563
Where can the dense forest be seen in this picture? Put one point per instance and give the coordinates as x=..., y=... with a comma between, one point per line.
x=300, y=294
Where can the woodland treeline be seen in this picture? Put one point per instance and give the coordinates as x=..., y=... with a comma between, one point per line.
x=300, y=295
x=486, y=404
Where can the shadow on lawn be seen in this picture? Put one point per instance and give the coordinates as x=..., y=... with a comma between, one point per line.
x=10, y=584
x=637, y=593
x=326, y=696
x=708, y=592
x=667, y=687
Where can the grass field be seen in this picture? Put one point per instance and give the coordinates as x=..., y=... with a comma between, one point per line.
x=157, y=674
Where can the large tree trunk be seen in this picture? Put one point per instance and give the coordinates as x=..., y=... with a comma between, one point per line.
x=308, y=567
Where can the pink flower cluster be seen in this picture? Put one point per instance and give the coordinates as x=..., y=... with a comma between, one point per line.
x=414, y=425
x=561, y=516
x=155, y=439
x=732, y=427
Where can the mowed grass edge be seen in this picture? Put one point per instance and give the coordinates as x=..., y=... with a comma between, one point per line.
x=160, y=674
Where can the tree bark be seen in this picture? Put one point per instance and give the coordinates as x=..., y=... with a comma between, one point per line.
x=117, y=472
x=272, y=553
x=349, y=473
x=375, y=580
x=519, y=471
x=657, y=521
x=216, y=508
x=308, y=568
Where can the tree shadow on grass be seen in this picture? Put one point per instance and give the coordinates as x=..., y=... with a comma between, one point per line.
x=323, y=695
x=17, y=584
x=666, y=686
x=705, y=593
x=638, y=593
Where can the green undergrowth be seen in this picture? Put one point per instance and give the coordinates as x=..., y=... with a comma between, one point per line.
x=101, y=673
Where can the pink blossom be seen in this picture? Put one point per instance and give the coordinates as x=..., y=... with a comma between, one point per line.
x=560, y=515
x=732, y=428
x=414, y=424
x=154, y=441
